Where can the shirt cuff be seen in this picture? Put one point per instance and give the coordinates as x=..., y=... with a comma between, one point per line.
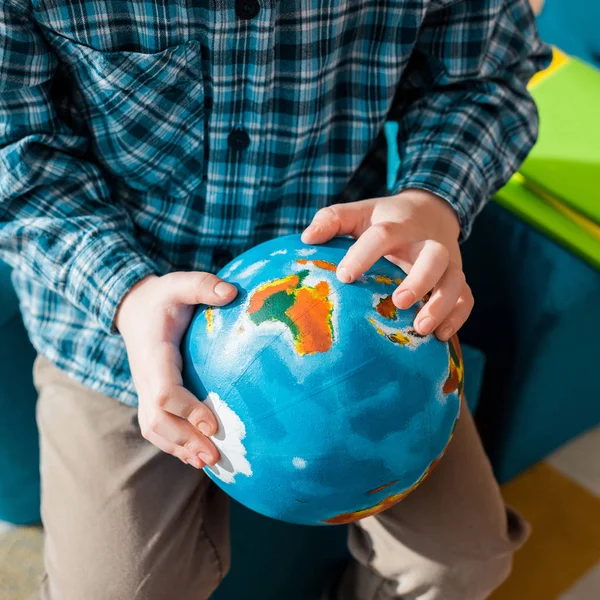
x=107, y=266
x=448, y=173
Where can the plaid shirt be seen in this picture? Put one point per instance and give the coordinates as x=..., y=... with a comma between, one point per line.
x=146, y=136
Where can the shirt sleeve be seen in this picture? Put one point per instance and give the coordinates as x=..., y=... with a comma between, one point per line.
x=466, y=120
x=58, y=223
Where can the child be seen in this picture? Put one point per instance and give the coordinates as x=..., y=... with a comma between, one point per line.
x=537, y=6
x=146, y=143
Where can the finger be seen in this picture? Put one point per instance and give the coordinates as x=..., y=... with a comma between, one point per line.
x=338, y=219
x=197, y=287
x=444, y=298
x=163, y=391
x=181, y=403
x=378, y=240
x=169, y=394
x=457, y=317
x=181, y=433
x=182, y=454
x=429, y=267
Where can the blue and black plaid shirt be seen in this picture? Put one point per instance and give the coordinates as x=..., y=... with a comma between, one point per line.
x=146, y=136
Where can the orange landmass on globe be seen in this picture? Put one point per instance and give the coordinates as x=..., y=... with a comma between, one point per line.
x=387, y=280
x=307, y=311
x=322, y=264
x=397, y=337
x=210, y=322
x=312, y=314
x=456, y=371
x=383, y=279
x=382, y=487
x=386, y=308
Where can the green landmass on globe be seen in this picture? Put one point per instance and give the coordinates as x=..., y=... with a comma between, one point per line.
x=306, y=311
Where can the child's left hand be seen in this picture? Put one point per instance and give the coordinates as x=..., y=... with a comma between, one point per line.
x=416, y=230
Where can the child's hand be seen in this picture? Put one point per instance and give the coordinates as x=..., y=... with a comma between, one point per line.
x=152, y=319
x=537, y=6
x=418, y=231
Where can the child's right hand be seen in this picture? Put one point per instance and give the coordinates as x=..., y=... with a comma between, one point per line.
x=152, y=318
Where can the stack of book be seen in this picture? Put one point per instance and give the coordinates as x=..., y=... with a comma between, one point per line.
x=557, y=189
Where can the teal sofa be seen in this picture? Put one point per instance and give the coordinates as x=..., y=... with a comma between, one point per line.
x=19, y=451
x=537, y=321
x=572, y=25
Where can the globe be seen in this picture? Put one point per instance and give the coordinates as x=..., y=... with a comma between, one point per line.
x=331, y=407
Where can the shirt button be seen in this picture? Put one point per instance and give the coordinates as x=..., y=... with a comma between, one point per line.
x=221, y=256
x=238, y=139
x=247, y=9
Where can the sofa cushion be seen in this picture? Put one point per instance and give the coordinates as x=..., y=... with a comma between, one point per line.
x=9, y=304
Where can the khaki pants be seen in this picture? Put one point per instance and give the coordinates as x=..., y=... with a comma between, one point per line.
x=125, y=521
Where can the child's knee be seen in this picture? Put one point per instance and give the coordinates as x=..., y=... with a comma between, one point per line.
x=461, y=579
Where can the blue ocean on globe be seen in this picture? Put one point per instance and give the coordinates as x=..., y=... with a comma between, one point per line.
x=330, y=406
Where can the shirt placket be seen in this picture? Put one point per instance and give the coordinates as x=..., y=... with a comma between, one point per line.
x=242, y=50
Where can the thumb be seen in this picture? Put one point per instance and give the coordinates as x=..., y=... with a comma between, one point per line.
x=196, y=287
x=338, y=219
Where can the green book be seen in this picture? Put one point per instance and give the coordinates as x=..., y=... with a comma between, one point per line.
x=557, y=188
x=552, y=219
x=566, y=159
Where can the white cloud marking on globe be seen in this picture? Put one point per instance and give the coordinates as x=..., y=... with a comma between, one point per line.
x=377, y=298
x=217, y=320
x=232, y=267
x=440, y=396
x=299, y=463
x=307, y=251
x=229, y=441
x=282, y=251
x=253, y=268
x=315, y=277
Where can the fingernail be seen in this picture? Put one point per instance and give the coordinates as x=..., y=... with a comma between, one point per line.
x=224, y=289
x=446, y=331
x=343, y=275
x=206, y=458
x=426, y=324
x=405, y=299
x=205, y=428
